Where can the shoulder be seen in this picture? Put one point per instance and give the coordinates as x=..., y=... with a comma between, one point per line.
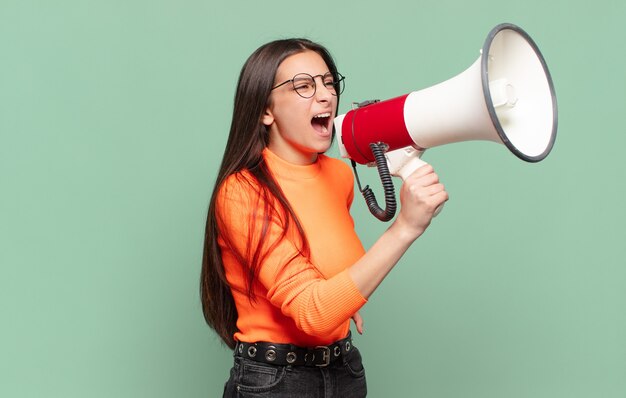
x=337, y=168
x=240, y=181
x=238, y=188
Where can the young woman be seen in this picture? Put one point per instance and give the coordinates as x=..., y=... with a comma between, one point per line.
x=283, y=269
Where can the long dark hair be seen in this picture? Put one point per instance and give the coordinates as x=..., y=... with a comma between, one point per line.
x=247, y=138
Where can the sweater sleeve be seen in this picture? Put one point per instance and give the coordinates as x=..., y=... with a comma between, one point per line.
x=318, y=305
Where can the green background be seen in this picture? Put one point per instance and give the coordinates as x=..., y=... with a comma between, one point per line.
x=113, y=118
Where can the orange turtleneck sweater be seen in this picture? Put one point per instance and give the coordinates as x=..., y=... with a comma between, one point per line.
x=302, y=300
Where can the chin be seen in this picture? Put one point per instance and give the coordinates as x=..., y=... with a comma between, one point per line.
x=325, y=147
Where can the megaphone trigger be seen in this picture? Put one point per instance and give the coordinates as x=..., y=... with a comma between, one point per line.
x=404, y=161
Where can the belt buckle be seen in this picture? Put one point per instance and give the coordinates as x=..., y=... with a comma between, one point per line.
x=325, y=355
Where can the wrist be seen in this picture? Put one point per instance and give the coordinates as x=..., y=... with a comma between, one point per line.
x=404, y=231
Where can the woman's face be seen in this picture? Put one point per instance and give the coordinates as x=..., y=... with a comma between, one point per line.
x=300, y=128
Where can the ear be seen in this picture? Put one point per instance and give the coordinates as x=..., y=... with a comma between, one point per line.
x=268, y=117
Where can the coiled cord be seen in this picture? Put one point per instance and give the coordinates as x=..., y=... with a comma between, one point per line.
x=389, y=211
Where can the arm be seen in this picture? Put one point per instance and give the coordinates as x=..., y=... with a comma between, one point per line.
x=420, y=195
x=318, y=305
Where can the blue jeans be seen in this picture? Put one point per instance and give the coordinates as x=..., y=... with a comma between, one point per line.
x=344, y=378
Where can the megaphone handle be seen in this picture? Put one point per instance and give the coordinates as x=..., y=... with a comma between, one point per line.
x=403, y=162
x=409, y=167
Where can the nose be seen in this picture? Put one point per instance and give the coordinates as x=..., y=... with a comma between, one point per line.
x=322, y=93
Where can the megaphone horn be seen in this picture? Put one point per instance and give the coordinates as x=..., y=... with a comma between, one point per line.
x=505, y=96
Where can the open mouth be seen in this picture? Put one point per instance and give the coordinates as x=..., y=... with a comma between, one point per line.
x=321, y=123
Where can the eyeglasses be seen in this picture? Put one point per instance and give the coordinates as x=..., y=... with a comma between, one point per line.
x=305, y=86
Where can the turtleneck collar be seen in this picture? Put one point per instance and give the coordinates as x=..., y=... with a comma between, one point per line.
x=283, y=169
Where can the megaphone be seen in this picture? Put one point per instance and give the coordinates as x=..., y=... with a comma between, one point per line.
x=505, y=96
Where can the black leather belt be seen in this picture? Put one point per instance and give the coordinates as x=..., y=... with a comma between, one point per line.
x=288, y=354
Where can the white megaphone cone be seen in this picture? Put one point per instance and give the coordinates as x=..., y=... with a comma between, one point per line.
x=505, y=96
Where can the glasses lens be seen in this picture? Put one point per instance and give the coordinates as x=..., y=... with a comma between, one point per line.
x=337, y=83
x=329, y=82
x=304, y=85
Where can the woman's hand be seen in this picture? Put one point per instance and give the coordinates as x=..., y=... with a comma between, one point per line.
x=420, y=195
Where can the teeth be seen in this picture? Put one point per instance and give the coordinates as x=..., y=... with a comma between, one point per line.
x=322, y=115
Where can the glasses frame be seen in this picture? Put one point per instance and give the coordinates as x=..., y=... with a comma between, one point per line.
x=339, y=83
